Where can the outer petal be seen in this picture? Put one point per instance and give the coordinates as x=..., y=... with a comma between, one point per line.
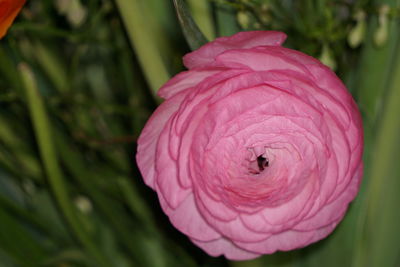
x=225, y=247
x=187, y=219
x=147, y=142
x=265, y=59
x=243, y=40
x=234, y=229
x=185, y=80
x=334, y=211
x=167, y=175
x=287, y=240
x=216, y=208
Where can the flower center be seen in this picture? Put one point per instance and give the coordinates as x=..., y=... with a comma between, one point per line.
x=262, y=162
x=258, y=162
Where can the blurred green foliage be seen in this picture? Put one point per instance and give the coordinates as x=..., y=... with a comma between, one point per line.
x=78, y=81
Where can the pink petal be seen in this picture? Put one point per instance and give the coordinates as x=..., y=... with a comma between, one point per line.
x=257, y=223
x=334, y=211
x=216, y=208
x=234, y=229
x=185, y=80
x=147, y=142
x=243, y=40
x=224, y=247
x=167, y=174
x=187, y=219
x=292, y=209
x=271, y=58
x=287, y=240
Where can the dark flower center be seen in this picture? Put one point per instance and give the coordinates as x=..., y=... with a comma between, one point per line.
x=258, y=165
x=262, y=162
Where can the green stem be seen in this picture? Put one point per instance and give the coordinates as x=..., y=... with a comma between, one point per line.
x=193, y=34
x=48, y=154
x=201, y=13
x=226, y=22
x=135, y=203
x=141, y=35
x=52, y=65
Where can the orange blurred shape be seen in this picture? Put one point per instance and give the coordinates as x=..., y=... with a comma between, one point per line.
x=9, y=9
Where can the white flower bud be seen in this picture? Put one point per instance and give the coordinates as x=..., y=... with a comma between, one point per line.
x=243, y=19
x=382, y=32
x=357, y=33
x=62, y=6
x=76, y=14
x=327, y=58
x=83, y=204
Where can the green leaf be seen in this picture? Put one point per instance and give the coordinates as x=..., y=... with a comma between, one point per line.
x=69, y=255
x=53, y=66
x=193, y=35
x=378, y=235
x=111, y=210
x=18, y=242
x=226, y=22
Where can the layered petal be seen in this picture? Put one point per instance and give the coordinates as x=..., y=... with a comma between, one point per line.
x=207, y=53
x=225, y=247
x=188, y=220
x=148, y=139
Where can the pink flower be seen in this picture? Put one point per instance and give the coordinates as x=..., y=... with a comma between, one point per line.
x=257, y=147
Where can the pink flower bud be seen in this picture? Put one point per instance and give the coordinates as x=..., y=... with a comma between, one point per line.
x=257, y=147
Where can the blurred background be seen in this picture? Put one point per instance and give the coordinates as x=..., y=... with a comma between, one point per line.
x=77, y=83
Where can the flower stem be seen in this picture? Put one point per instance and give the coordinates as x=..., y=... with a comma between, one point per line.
x=142, y=37
x=48, y=155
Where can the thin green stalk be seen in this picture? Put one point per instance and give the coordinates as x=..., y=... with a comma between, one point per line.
x=48, y=155
x=141, y=35
x=194, y=36
x=7, y=67
x=201, y=13
x=135, y=203
x=22, y=158
x=226, y=22
x=52, y=65
x=374, y=70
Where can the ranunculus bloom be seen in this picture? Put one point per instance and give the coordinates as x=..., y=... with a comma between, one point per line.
x=9, y=9
x=257, y=147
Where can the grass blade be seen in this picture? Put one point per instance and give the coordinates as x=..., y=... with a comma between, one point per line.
x=193, y=35
x=201, y=13
x=140, y=33
x=12, y=235
x=48, y=154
